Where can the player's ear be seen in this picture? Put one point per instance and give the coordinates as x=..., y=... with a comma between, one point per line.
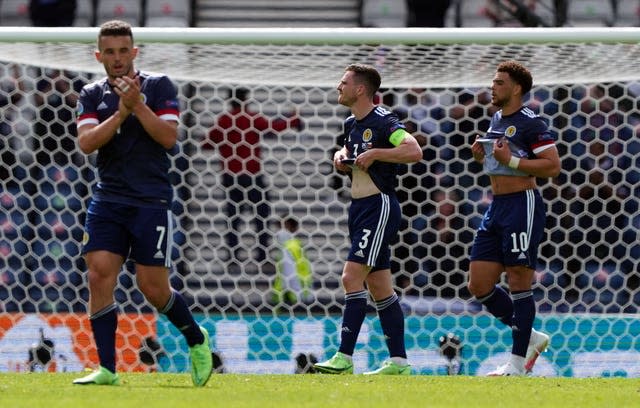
x=517, y=88
x=98, y=55
x=134, y=52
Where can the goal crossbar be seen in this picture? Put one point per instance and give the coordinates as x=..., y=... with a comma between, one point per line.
x=334, y=36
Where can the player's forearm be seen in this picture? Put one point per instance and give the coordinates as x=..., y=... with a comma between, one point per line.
x=162, y=131
x=408, y=151
x=545, y=165
x=542, y=168
x=91, y=139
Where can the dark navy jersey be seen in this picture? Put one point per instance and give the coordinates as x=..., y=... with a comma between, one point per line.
x=526, y=133
x=132, y=167
x=373, y=132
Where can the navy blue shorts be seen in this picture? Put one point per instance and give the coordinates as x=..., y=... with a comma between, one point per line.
x=144, y=235
x=511, y=230
x=374, y=222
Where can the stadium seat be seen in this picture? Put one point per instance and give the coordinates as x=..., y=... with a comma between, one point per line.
x=589, y=12
x=167, y=13
x=129, y=11
x=85, y=13
x=384, y=13
x=14, y=13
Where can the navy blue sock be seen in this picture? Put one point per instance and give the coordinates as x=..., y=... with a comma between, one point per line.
x=178, y=313
x=524, y=312
x=104, y=324
x=498, y=303
x=392, y=322
x=355, y=310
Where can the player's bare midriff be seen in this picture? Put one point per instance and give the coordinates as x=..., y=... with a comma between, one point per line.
x=511, y=184
x=362, y=185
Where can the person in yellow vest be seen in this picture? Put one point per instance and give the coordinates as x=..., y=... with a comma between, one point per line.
x=293, y=272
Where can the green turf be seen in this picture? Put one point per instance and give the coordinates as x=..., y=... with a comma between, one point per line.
x=282, y=391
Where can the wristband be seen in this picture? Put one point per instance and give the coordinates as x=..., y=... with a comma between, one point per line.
x=514, y=162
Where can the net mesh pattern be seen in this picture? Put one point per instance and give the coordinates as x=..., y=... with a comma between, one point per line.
x=587, y=92
x=405, y=65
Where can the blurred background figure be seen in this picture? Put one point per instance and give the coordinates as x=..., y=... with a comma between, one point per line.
x=432, y=13
x=293, y=272
x=237, y=137
x=52, y=13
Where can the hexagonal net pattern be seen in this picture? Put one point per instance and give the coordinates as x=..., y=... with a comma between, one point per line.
x=225, y=262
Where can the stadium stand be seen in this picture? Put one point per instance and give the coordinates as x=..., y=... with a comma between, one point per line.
x=392, y=13
x=316, y=13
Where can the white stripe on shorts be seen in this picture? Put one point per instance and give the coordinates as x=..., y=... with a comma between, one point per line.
x=531, y=211
x=167, y=255
x=376, y=244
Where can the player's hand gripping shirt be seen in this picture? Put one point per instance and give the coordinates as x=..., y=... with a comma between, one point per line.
x=132, y=167
x=525, y=132
x=373, y=132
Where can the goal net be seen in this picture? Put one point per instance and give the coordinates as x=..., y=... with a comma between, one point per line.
x=227, y=264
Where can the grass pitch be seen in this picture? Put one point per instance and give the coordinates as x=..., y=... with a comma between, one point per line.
x=282, y=391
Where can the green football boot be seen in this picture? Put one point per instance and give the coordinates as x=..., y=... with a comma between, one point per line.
x=201, y=361
x=101, y=376
x=391, y=368
x=338, y=364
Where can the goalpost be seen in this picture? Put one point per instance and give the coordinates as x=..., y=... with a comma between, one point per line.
x=588, y=277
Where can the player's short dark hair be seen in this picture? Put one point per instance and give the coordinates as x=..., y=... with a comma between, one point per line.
x=518, y=73
x=368, y=75
x=115, y=28
x=241, y=93
x=237, y=96
x=291, y=224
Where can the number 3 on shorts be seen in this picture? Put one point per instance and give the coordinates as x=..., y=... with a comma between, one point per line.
x=364, y=241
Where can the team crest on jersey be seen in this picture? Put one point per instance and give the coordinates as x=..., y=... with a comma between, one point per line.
x=510, y=131
x=79, y=109
x=367, y=135
x=85, y=238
